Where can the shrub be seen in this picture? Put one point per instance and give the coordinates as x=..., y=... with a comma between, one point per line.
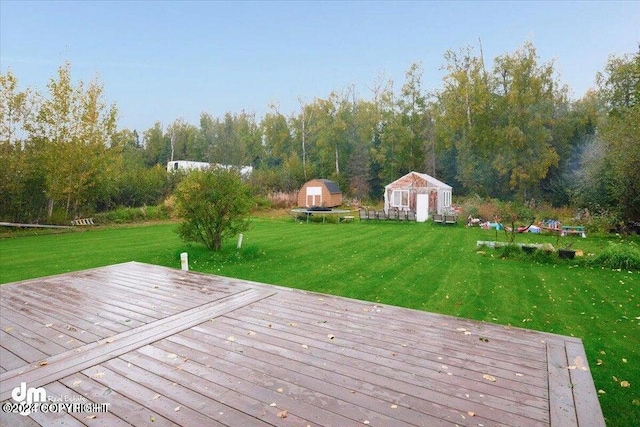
x=214, y=204
x=618, y=256
x=124, y=215
x=601, y=223
x=510, y=251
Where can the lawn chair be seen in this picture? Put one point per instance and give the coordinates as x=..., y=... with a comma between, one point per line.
x=450, y=219
x=381, y=215
x=402, y=215
x=363, y=214
x=438, y=218
x=411, y=216
x=372, y=214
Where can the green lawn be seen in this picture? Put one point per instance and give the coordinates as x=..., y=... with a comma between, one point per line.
x=422, y=266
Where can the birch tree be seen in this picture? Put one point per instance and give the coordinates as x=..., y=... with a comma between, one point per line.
x=73, y=125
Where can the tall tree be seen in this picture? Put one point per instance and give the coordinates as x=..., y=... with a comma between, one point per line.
x=157, y=145
x=74, y=126
x=529, y=96
x=620, y=134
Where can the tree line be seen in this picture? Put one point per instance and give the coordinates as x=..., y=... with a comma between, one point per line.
x=509, y=132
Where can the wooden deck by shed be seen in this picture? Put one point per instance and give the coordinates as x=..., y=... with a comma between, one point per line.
x=168, y=347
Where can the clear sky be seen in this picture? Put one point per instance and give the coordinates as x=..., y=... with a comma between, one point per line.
x=163, y=60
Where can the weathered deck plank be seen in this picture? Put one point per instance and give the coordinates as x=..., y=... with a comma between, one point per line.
x=66, y=363
x=167, y=347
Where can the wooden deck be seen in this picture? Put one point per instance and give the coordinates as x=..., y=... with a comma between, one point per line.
x=168, y=347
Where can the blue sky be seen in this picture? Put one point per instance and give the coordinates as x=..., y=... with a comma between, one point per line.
x=163, y=60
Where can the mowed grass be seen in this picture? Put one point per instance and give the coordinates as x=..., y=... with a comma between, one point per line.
x=420, y=266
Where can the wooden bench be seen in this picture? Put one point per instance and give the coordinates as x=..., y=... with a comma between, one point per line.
x=567, y=229
x=82, y=221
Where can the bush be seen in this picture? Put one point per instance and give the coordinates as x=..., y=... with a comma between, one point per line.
x=510, y=251
x=124, y=215
x=618, y=257
x=214, y=204
x=601, y=223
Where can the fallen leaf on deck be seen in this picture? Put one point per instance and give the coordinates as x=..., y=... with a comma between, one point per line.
x=171, y=355
x=156, y=397
x=109, y=340
x=283, y=414
x=76, y=383
x=107, y=391
x=489, y=377
x=43, y=363
x=624, y=384
x=280, y=390
x=467, y=333
x=471, y=414
x=293, y=324
x=305, y=346
x=48, y=325
x=231, y=338
x=177, y=408
x=366, y=422
x=273, y=404
x=579, y=362
x=99, y=375
x=90, y=417
x=129, y=365
x=331, y=336
x=9, y=329
x=251, y=333
x=152, y=418
x=394, y=406
x=519, y=375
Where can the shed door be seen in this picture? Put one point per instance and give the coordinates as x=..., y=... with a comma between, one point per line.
x=422, y=207
x=314, y=196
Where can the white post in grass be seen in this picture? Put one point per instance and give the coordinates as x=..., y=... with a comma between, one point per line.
x=184, y=261
x=239, y=240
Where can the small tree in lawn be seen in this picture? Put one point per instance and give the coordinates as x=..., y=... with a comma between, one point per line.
x=513, y=213
x=214, y=205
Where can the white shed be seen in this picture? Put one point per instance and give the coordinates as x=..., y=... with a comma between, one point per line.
x=420, y=193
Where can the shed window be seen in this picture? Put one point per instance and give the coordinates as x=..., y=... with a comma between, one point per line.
x=400, y=198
